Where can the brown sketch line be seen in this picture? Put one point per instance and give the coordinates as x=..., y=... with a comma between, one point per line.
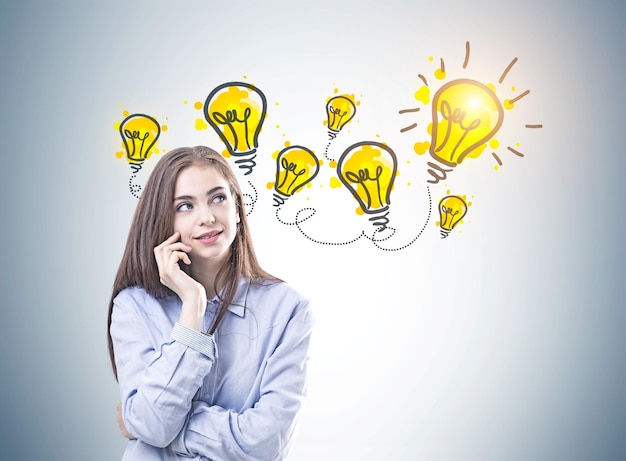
x=404, y=111
x=423, y=79
x=407, y=128
x=534, y=126
x=506, y=71
x=497, y=158
x=514, y=100
x=516, y=152
x=442, y=65
x=467, y=54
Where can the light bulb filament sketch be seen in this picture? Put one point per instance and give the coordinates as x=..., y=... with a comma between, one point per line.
x=229, y=119
x=236, y=111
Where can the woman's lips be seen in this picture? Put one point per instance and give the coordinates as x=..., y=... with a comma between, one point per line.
x=209, y=237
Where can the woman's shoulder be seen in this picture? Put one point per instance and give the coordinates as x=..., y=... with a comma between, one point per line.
x=283, y=297
x=139, y=296
x=276, y=287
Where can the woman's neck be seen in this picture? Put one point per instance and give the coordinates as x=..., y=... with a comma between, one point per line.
x=205, y=275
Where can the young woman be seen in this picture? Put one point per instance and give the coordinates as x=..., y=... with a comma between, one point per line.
x=209, y=350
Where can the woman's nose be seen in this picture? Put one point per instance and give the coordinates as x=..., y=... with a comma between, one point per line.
x=205, y=216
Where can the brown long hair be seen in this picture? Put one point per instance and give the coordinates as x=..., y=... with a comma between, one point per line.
x=153, y=222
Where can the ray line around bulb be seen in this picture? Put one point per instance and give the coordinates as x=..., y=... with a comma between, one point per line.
x=507, y=70
x=467, y=55
x=497, y=158
x=407, y=128
x=423, y=79
x=419, y=234
x=514, y=100
x=516, y=152
x=404, y=111
x=533, y=126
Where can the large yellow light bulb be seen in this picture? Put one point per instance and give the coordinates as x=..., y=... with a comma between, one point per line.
x=368, y=170
x=296, y=166
x=139, y=133
x=340, y=110
x=466, y=114
x=452, y=209
x=236, y=111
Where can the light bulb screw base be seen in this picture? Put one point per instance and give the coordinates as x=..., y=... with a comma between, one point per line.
x=279, y=200
x=380, y=220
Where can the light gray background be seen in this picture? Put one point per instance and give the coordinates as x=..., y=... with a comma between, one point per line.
x=503, y=342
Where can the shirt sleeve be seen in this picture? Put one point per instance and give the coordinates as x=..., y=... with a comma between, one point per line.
x=157, y=383
x=264, y=431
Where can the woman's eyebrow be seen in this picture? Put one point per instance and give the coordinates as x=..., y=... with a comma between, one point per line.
x=190, y=197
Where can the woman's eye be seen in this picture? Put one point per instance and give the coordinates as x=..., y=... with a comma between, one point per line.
x=219, y=198
x=184, y=207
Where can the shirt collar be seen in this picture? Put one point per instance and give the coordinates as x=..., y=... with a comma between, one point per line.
x=238, y=304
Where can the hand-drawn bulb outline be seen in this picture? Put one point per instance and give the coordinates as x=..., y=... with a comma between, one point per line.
x=368, y=170
x=340, y=110
x=296, y=166
x=452, y=209
x=139, y=133
x=465, y=115
x=236, y=111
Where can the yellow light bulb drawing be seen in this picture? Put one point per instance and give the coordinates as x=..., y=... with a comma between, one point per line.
x=452, y=209
x=139, y=133
x=340, y=110
x=466, y=114
x=296, y=166
x=368, y=170
x=236, y=111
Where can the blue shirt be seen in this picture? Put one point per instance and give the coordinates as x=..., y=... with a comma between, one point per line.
x=234, y=395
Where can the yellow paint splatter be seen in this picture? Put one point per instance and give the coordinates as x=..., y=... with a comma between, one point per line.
x=421, y=148
x=163, y=127
x=332, y=164
x=423, y=95
x=359, y=211
x=201, y=124
x=494, y=144
x=270, y=185
x=198, y=105
x=440, y=74
x=334, y=182
x=508, y=105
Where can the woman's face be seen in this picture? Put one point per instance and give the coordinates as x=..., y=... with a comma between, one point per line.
x=205, y=214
